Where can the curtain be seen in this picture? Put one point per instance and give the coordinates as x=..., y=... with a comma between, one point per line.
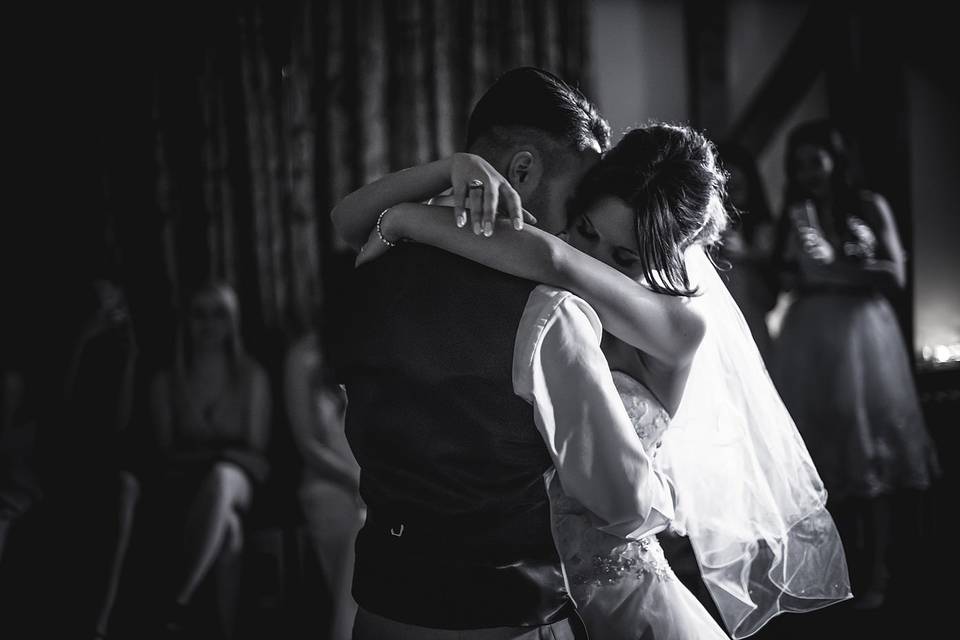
x=262, y=117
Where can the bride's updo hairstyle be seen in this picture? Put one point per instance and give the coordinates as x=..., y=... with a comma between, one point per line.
x=670, y=177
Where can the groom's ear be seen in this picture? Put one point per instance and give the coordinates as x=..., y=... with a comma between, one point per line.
x=525, y=171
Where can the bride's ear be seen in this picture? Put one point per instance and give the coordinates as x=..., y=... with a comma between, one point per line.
x=525, y=171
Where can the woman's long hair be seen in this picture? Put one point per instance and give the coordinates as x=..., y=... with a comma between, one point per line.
x=668, y=175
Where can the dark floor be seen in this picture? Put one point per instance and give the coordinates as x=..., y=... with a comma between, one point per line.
x=921, y=600
x=283, y=596
x=915, y=603
x=917, y=596
x=282, y=593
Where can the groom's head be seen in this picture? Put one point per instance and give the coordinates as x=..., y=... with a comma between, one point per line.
x=542, y=135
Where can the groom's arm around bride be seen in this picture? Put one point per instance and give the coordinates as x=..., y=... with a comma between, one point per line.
x=599, y=460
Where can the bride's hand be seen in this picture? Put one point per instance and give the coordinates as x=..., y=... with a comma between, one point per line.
x=480, y=193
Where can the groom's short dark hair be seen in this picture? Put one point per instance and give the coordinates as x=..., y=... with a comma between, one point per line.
x=528, y=98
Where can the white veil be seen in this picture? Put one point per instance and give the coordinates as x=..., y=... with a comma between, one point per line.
x=750, y=499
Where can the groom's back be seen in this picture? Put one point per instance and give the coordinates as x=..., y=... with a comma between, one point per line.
x=458, y=529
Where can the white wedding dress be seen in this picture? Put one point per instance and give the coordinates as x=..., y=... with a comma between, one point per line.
x=626, y=589
x=749, y=499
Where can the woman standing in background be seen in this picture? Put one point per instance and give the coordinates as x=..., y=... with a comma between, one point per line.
x=841, y=363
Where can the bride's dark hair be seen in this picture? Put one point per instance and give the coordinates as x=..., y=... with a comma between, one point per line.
x=670, y=177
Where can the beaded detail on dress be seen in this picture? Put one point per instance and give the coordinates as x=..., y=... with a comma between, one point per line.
x=636, y=559
x=650, y=420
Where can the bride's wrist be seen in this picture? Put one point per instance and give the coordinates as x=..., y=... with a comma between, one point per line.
x=389, y=226
x=445, y=170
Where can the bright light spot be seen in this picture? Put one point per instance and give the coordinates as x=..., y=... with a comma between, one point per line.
x=940, y=354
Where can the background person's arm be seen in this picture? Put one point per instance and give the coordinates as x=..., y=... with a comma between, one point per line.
x=887, y=270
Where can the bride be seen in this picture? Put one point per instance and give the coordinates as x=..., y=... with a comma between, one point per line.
x=688, y=372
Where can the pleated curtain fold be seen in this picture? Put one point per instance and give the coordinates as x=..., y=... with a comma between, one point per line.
x=274, y=114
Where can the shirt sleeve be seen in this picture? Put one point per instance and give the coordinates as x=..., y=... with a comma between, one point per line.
x=598, y=456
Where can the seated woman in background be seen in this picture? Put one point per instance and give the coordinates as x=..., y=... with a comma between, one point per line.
x=211, y=412
x=99, y=491
x=330, y=488
x=19, y=489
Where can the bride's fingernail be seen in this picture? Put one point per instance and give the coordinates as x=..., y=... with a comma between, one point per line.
x=518, y=225
x=476, y=227
x=461, y=219
x=488, y=229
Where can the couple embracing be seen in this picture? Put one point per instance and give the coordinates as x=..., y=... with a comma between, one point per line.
x=544, y=371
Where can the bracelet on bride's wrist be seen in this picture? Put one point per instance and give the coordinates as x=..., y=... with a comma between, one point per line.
x=383, y=238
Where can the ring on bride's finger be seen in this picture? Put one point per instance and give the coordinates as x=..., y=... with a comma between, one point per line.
x=475, y=184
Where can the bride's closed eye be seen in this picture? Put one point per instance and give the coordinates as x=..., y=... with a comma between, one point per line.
x=626, y=259
x=586, y=229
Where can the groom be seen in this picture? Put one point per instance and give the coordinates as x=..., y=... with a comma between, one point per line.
x=469, y=390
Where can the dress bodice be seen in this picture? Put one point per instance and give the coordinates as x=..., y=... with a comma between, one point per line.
x=650, y=420
x=853, y=240
x=597, y=559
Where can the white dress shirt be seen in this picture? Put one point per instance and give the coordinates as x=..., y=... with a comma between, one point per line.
x=599, y=460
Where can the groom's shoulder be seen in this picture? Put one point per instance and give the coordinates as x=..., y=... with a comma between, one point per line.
x=546, y=305
x=546, y=302
x=549, y=308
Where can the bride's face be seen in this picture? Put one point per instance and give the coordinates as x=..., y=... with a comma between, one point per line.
x=607, y=230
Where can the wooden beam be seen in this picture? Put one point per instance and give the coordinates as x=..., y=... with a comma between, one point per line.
x=872, y=106
x=803, y=60
x=706, y=27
